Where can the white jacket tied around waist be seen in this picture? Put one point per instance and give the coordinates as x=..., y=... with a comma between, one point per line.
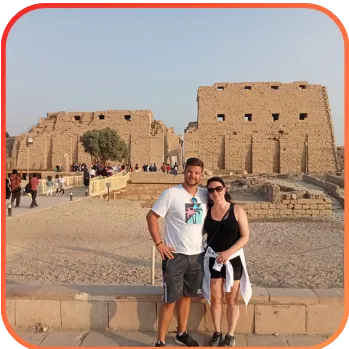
x=245, y=284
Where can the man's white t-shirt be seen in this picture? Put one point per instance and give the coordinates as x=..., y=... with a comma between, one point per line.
x=184, y=218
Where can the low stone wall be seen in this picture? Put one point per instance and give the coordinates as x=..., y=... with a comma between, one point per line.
x=160, y=178
x=288, y=204
x=335, y=180
x=154, y=177
x=141, y=191
x=289, y=208
x=330, y=188
x=132, y=307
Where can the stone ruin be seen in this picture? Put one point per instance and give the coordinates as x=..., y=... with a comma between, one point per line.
x=248, y=127
x=56, y=139
x=263, y=127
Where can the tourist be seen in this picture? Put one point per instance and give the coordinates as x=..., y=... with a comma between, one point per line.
x=175, y=169
x=168, y=168
x=227, y=231
x=57, y=184
x=8, y=189
x=136, y=168
x=86, y=178
x=61, y=184
x=34, y=186
x=184, y=208
x=15, y=185
x=49, y=185
x=92, y=172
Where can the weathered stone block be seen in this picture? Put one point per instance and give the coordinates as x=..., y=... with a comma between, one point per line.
x=29, y=312
x=245, y=323
x=132, y=316
x=83, y=314
x=283, y=319
x=323, y=318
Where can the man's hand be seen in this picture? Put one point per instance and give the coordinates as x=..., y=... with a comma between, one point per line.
x=165, y=250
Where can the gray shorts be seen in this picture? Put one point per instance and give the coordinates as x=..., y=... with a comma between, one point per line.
x=182, y=276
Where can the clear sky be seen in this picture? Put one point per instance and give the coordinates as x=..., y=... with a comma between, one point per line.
x=100, y=59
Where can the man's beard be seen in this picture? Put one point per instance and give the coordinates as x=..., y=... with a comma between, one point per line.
x=192, y=184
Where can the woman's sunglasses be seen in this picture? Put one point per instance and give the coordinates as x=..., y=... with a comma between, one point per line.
x=217, y=189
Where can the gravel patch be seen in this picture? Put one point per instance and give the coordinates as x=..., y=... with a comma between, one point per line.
x=96, y=242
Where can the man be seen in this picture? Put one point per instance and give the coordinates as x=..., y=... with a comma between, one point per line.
x=184, y=209
x=8, y=189
x=175, y=169
x=15, y=184
x=34, y=186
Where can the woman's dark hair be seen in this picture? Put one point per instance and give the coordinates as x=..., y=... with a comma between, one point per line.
x=227, y=196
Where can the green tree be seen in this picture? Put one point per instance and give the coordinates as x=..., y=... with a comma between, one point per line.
x=104, y=145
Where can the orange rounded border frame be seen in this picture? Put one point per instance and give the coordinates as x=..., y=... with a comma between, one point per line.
x=164, y=5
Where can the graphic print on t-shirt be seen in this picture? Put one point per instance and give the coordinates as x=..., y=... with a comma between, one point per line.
x=193, y=212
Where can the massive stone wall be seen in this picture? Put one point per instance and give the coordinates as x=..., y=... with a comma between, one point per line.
x=263, y=128
x=56, y=138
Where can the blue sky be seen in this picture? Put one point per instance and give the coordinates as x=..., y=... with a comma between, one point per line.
x=99, y=59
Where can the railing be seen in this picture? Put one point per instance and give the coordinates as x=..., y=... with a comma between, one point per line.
x=98, y=185
x=70, y=182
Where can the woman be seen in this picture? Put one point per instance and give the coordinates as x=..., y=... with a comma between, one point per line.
x=227, y=231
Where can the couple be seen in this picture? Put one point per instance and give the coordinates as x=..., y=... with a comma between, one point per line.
x=189, y=270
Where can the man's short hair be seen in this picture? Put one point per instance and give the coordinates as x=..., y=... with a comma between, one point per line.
x=194, y=162
x=14, y=171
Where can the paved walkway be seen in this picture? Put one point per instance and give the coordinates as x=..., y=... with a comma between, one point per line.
x=106, y=338
x=45, y=202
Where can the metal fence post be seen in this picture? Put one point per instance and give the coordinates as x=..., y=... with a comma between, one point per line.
x=9, y=209
x=153, y=265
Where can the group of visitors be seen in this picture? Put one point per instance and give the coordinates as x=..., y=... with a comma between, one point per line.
x=14, y=188
x=193, y=266
x=165, y=168
x=58, y=183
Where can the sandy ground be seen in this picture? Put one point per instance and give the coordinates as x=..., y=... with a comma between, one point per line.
x=93, y=241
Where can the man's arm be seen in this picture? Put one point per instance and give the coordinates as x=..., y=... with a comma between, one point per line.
x=153, y=227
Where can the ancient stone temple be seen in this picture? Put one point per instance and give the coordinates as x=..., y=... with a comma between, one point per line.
x=56, y=139
x=263, y=127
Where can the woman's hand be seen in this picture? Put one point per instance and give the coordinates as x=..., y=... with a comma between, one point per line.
x=223, y=257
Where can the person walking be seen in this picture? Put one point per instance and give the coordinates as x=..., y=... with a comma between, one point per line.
x=8, y=189
x=34, y=186
x=15, y=185
x=184, y=209
x=87, y=177
x=49, y=185
x=61, y=183
x=225, y=268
